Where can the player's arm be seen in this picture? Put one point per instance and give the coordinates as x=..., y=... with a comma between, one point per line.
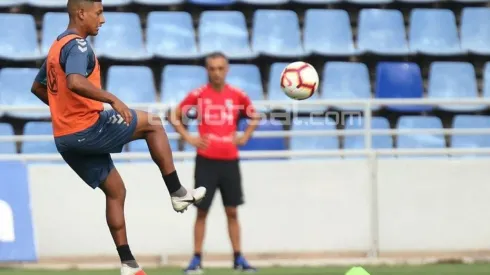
x=175, y=119
x=39, y=88
x=76, y=65
x=75, y=59
x=248, y=110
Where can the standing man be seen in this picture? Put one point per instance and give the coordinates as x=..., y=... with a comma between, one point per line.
x=85, y=135
x=219, y=107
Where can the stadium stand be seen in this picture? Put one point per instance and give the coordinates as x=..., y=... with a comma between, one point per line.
x=377, y=141
x=470, y=141
x=314, y=142
x=377, y=49
x=7, y=147
x=38, y=147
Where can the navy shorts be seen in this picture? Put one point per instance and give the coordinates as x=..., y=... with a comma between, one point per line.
x=88, y=152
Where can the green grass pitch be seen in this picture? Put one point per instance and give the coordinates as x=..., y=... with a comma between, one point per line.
x=448, y=269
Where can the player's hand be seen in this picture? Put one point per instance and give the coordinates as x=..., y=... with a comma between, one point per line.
x=123, y=110
x=198, y=142
x=240, y=140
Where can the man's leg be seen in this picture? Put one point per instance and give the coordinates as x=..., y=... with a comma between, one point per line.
x=205, y=174
x=99, y=171
x=150, y=128
x=232, y=195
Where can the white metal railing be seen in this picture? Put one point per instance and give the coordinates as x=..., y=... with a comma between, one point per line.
x=294, y=106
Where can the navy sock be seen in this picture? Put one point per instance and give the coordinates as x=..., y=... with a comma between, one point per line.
x=172, y=182
x=126, y=256
x=197, y=255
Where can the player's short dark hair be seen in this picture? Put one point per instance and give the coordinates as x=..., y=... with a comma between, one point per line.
x=215, y=55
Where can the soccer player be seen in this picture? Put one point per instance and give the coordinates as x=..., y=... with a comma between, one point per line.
x=85, y=135
x=219, y=107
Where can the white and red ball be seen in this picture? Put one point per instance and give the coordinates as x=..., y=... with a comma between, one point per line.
x=299, y=80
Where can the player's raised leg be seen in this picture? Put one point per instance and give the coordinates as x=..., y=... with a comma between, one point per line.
x=150, y=128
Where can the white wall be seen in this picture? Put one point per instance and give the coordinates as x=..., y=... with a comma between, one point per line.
x=290, y=206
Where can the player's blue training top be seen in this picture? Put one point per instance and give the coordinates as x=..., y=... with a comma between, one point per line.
x=77, y=57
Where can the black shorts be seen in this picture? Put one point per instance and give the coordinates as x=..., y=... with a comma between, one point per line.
x=222, y=174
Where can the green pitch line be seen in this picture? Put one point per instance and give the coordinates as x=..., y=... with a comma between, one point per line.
x=456, y=269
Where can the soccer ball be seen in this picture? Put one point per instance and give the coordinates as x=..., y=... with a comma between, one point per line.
x=299, y=80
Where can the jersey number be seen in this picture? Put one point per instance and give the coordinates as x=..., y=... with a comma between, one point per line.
x=52, y=80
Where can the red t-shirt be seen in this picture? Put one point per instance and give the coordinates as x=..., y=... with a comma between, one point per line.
x=218, y=114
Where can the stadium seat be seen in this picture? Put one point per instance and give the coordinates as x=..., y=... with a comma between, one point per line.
x=264, y=2
x=471, y=1
x=420, y=140
x=434, y=32
x=15, y=90
x=313, y=143
x=179, y=80
x=212, y=2
x=382, y=32
x=370, y=2
x=247, y=78
x=121, y=37
x=7, y=147
x=377, y=141
x=159, y=2
x=453, y=80
x=276, y=33
x=475, y=30
x=309, y=2
x=171, y=35
x=274, y=91
x=344, y=81
x=224, y=31
x=11, y=3
x=18, y=41
x=57, y=4
x=474, y=140
x=54, y=23
x=320, y=39
x=414, y=2
x=400, y=80
x=141, y=146
x=38, y=128
x=486, y=80
x=139, y=88
x=264, y=143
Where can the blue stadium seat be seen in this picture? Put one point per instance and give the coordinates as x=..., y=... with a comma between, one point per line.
x=264, y=2
x=7, y=147
x=15, y=90
x=11, y=3
x=313, y=142
x=377, y=141
x=247, y=78
x=419, y=141
x=309, y=2
x=18, y=41
x=453, y=80
x=264, y=143
x=370, y=2
x=140, y=146
x=486, y=80
x=344, y=81
x=179, y=80
x=224, y=31
x=382, y=32
x=139, y=88
x=38, y=128
x=56, y=4
x=400, y=80
x=121, y=37
x=320, y=39
x=470, y=141
x=212, y=2
x=54, y=23
x=475, y=30
x=171, y=35
x=274, y=91
x=434, y=31
x=276, y=33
